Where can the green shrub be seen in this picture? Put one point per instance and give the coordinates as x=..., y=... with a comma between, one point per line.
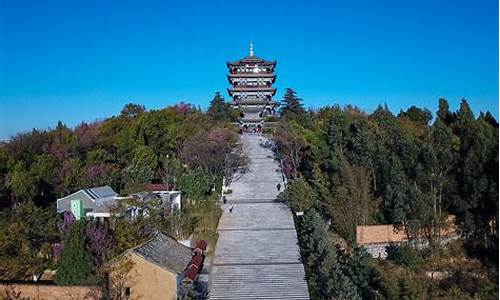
x=403, y=255
x=298, y=194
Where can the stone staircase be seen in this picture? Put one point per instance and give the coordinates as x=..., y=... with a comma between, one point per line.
x=256, y=256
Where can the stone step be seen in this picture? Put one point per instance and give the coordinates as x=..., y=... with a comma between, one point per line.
x=254, y=190
x=257, y=246
x=256, y=256
x=257, y=216
x=259, y=282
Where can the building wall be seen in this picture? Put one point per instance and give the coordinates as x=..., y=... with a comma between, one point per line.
x=49, y=292
x=64, y=204
x=148, y=281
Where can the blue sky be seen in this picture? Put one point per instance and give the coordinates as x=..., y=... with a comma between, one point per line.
x=83, y=60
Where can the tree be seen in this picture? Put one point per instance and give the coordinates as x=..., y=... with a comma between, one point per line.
x=22, y=183
x=65, y=223
x=132, y=110
x=289, y=146
x=476, y=199
x=417, y=115
x=444, y=113
x=5, y=161
x=292, y=107
x=142, y=167
x=213, y=152
x=99, y=243
x=75, y=266
x=324, y=271
x=351, y=203
x=298, y=195
x=26, y=233
x=171, y=170
x=358, y=269
x=196, y=184
x=219, y=109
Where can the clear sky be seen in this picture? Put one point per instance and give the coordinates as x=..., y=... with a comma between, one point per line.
x=83, y=60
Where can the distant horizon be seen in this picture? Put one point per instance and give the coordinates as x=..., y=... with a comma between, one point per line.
x=80, y=62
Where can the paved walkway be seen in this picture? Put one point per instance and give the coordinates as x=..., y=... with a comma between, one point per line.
x=256, y=256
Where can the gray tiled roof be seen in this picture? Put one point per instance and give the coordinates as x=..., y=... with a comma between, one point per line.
x=251, y=59
x=165, y=252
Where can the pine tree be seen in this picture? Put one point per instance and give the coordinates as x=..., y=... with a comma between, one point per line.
x=324, y=271
x=444, y=113
x=298, y=194
x=359, y=271
x=292, y=107
x=219, y=109
x=75, y=266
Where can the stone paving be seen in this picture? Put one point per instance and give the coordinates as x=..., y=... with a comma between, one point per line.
x=256, y=256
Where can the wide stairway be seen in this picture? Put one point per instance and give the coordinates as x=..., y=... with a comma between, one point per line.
x=256, y=256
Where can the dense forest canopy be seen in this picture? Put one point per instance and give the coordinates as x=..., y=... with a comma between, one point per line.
x=180, y=146
x=348, y=168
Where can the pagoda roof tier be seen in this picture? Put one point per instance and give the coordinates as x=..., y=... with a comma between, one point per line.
x=251, y=75
x=251, y=60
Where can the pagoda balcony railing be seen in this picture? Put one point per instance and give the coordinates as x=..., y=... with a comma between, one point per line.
x=252, y=85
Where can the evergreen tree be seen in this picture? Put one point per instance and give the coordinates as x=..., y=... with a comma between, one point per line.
x=292, y=107
x=132, y=110
x=359, y=271
x=417, y=115
x=298, y=194
x=444, y=113
x=219, y=109
x=324, y=271
x=75, y=266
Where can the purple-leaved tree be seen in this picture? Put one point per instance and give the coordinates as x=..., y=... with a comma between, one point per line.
x=99, y=242
x=65, y=223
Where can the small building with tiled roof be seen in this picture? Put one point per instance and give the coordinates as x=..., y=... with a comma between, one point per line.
x=376, y=238
x=158, y=267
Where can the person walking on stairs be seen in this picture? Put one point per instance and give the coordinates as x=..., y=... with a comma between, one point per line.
x=231, y=208
x=278, y=186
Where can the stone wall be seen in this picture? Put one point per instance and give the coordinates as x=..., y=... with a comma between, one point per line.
x=48, y=292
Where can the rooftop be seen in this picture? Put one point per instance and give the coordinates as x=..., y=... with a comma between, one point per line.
x=251, y=59
x=383, y=234
x=165, y=252
x=100, y=192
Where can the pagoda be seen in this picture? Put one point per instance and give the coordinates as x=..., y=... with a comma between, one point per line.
x=252, y=90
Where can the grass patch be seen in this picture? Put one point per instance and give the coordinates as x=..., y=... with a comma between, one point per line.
x=201, y=220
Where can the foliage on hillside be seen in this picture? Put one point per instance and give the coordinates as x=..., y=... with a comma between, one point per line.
x=409, y=169
x=180, y=146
